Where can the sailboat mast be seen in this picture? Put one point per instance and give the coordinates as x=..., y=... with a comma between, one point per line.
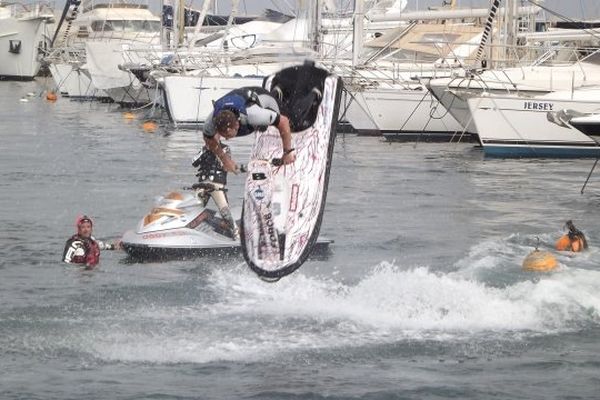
x=178, y=22
x=199, y=24
x=487, y=31
x=316, y=34
x=357, y=31
x=181, y=20
x=510, y=28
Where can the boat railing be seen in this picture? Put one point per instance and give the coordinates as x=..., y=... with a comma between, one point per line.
x=38, y=9
x=126, y=36
x=66, y=55
x=499, y=79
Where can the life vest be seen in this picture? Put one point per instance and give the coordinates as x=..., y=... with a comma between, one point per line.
x=571, y=243
x=83, y=251
x=237, y=101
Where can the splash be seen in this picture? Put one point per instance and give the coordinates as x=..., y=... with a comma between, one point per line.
x=254, y=320
x=416, y=299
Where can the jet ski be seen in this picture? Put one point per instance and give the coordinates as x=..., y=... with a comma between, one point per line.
x=284, y=206
x=180, y=225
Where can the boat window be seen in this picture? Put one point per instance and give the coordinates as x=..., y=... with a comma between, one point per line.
x=126, y=26
x=152, y=26
x=97, y=26
x=102, y=26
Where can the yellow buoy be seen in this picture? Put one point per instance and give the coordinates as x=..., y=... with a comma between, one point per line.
x=539, y=260
x=128, y=115
x=150, y=126
x=51, y=96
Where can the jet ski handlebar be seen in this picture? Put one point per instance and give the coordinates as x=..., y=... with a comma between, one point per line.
x=207, y=187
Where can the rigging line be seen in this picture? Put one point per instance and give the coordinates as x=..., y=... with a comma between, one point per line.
x=589, y=175
x=413, y=111
x=366, y=108
x=63, y=79
x=593, y=166
x=347, y=104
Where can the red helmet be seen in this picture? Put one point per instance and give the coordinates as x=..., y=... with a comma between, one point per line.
x=83, y=218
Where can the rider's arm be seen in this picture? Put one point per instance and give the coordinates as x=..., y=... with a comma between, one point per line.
x=285, y=132
x=109, y=245
x=212, y=143
x=258, y=116
x=215, y=146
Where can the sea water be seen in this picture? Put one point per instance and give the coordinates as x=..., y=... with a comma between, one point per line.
x=422, y=295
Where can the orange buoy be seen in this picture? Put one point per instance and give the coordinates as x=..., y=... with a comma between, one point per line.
x=128, y=115
x=51, y=96
x=150, y=126
x=539, y=260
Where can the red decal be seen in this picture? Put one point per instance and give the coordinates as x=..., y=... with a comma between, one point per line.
x=294, y=198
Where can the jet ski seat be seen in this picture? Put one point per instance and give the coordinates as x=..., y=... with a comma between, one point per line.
x=298, y=91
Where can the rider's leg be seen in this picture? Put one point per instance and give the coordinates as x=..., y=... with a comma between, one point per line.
x=223, y=205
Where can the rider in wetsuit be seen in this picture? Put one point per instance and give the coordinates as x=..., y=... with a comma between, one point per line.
x=82, y=248
x=574, y=240
x=241, y=112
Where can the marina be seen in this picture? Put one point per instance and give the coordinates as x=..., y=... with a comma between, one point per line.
x=446, y=188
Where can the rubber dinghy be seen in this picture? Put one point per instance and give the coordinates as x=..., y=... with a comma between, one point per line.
x=283, y=205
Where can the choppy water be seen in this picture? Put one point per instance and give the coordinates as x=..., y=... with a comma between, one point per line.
x=423, y=296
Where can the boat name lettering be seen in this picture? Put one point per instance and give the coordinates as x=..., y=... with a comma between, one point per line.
x=161, y=235
x=271, y=230
x=534, y=105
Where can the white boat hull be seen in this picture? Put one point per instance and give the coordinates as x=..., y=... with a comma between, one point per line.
x=132, y=95
x=453, y=92
x=20, y=43
x=189, y=99
x=398, y=110
x=75, y=82
x=512, y=126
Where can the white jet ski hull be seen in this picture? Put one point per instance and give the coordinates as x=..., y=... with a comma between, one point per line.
x=186, y=245
x=283, y=206
x=179, y=226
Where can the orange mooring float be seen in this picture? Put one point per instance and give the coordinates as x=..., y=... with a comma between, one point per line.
x=128, y=116
x=149, y=126
x=539, y=260
x=51, y=96
x=574, y=240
